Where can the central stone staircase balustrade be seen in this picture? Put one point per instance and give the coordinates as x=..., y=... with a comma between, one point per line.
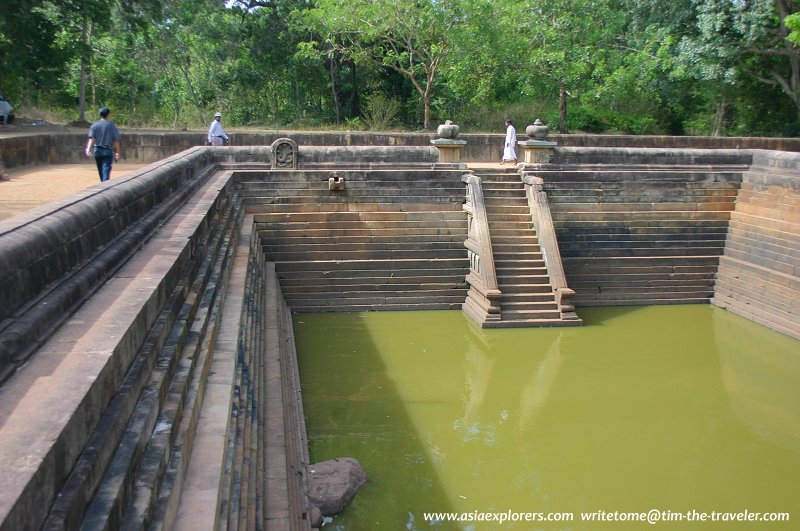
x=483, y=298
x=548, y=243
x=527, y=296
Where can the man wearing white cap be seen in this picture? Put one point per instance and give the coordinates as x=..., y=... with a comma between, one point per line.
x=216, y=134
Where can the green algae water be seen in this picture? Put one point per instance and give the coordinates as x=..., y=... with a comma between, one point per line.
x=688, y=411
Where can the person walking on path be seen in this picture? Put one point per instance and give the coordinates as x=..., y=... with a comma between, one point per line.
x=216, y=134
x=509, y=151
x=105, y=138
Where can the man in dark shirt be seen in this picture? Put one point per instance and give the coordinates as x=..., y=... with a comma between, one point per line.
x=105, y=137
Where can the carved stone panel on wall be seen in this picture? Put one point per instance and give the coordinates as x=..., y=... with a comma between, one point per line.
x=284, y=153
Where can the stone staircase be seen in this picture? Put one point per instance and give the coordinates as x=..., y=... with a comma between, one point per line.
x=391, y=240
x=641, y=234
x=528, y=297
x=758, y=273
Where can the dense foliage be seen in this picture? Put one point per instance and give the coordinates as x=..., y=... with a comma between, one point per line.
x=720, y=67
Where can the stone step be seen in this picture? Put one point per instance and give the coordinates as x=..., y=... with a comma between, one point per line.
x=514, y=239
x=613, y=187
x=699, y=222
x=766, y=261
x=489, y=187
x=674, y=263
x=373, y=227
x=289, y=231
x=365, y=255
x=364, y=216
x=305, y=187
x=391, y=265
x=507, y=206
x=779, y=251
x=638, y=208
x=292, y=277
x=639, y=175
x=511, y=249
x=387, y=306
x=529, y=315
x=656, y=215
x=514, y=276
x=528, y=323
x=513, y=216
x=629, y=300
x=500, y=193
x=361, y=285
x=527, y=301
x=769, y=234
x=688, y=200
x=591, y=234
x=300, y=245
x=765, y=277
x=318, y=206
x=626, y=242
x=289, y=203
x=371, y=296
x=764, y=223
x=514, y=285
x=291, y=238
x=785, y=301
x=769, y=199
x=759, y=313
x=637, y=290
x=502, y=265
x=579, y=282
x=640, y=252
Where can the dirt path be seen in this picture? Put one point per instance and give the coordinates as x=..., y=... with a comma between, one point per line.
x=31, y=187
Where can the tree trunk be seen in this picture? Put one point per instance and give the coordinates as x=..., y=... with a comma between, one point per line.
x=337, y=106
x=562, y=108
x=84, y=46
x=719, y=119
x=355, y=107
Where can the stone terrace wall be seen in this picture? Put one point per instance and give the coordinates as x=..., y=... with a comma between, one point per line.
x=55, y=257
x=759, y=273
x=147, y=146
x=642, y=226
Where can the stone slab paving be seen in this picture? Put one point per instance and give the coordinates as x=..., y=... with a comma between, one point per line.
x=31, y=187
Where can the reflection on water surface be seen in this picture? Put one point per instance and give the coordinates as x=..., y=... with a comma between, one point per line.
x=673, y=407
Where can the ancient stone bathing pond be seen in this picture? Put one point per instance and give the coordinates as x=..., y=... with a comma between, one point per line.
x=672, y=408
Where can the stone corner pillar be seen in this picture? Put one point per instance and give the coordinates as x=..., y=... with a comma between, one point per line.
x=537, y=151
x=449, y=150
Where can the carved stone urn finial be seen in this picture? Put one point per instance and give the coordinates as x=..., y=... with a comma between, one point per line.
x=447, y=130
x=538, y=130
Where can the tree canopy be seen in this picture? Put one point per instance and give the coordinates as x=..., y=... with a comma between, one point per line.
x=722, y=67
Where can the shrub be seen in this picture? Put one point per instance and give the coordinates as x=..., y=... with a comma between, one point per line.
x=379, y=112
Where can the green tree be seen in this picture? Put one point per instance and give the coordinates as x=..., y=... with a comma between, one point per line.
x=746, y=38
x=411, y=38
x=569, y=46
x=32, y=61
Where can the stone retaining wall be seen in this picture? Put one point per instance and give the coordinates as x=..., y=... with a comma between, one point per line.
x=52, y=263
x=30, y=150
x=759, y=273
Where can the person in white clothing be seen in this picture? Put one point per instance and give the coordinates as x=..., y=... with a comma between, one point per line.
x=509, y=151
x=216, y=134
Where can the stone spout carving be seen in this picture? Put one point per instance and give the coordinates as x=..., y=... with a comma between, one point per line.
x=335, y=182
x=538, y=130
x=284, y=153
x=447, y=130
